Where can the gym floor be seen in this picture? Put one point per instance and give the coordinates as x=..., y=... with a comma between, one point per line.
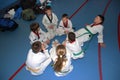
x=14, y=46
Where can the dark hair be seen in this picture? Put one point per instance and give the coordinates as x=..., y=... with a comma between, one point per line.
x=36, y=47
x=34, y=26
x=71, y=36
x=65, y=15
x=48, y=8
x=61, y=53
x=102, y=18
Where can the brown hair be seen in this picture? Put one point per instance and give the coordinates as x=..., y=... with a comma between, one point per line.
x=102, y=18
x=48, y=8
x=36, y=46
x=65, y=15
x=71, y=37
x=34, y=26
x=61, y=52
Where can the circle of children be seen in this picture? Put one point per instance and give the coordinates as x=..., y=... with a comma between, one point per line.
x=61, y=54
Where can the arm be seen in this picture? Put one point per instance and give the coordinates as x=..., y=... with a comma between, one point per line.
x=53, y=54
x=69, y=25
x=45, y=21
x=45, y=51
x=60, y=24
x=32, y=38
x=55, y=19
x=100, y=37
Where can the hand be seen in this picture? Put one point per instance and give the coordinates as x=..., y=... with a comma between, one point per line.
x=66, y=32
x=51, y=27
x=102, y=45
x=55, y=43
x=43, y=46
x=47, y=41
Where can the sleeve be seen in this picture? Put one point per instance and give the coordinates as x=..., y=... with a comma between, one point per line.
x=46, y=53
x=53, y=54
x=44, y=33
x=32, y=38
x=60, y=24
x=100, y=35
x=41, y=31
x=28, y=58
x=70, y=25
x=69, y=54
x=55, y=19
x=44, y=21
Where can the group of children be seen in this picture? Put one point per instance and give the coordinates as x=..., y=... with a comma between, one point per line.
x=39, y=57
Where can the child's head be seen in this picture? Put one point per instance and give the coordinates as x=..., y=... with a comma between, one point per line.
x=99, y=19
x=48, y=10
x=71, y=37
x=60, y=50
x=34, y=27
x=61, y=53
x=64, y=17
x=36, y=47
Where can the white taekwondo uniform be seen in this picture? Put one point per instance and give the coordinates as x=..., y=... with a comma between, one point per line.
x=50, y=22
x=37, y=61
x=62, y=27
x=75, y=48
x=33, y=37
x=68, y=66
x=85, y=34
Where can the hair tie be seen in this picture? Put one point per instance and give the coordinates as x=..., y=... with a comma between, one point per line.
x=60, y=56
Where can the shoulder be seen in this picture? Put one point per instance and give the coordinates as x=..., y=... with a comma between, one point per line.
x=44, y=16
x=61, y=21
x=40, y=29
x=69, y=20
x=31, y=33
x=68, y=52
x=53, y=14
x=100, y=25
x=30, y=52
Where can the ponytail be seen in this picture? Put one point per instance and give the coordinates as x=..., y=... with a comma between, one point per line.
x=61, y=52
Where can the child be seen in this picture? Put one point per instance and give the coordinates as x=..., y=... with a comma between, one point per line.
x=74, y=46
x=86, y=33
x=37, y=59
x=65, y=25
x=61, y=57
x=38, y=34
x=50, y=22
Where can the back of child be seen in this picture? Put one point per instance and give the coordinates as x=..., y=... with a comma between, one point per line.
x=37, y=59
x=74, y=46
x=61, y=57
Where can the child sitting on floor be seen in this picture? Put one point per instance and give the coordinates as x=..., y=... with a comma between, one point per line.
x=37, y=59
x=74, y=46
x=37, y=34
x=65, y=25
x=50, y=22
x=61, y=57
